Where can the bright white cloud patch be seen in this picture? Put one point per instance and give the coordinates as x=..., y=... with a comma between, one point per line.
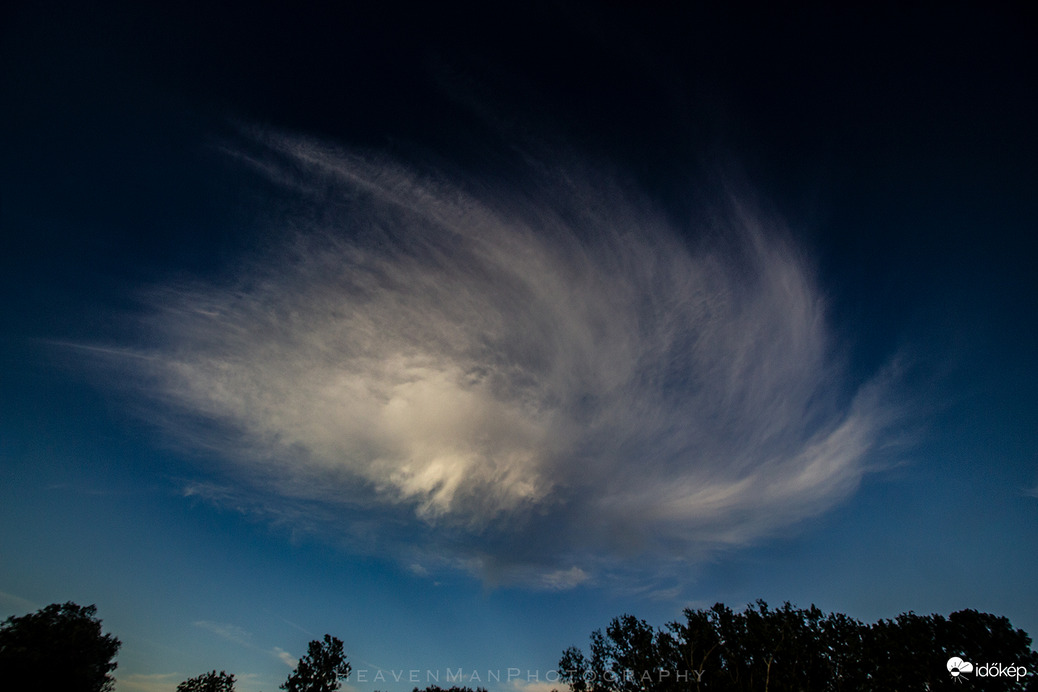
x=285, y=657
x=551, y=380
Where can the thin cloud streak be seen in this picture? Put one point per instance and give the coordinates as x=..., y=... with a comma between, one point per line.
x=231, y=633
x=242, y=637
x=16, y=605
x=527, y=383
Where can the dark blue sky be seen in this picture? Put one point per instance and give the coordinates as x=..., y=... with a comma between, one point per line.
x=417, y=324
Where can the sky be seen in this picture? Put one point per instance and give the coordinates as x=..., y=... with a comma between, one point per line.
x=455, y=332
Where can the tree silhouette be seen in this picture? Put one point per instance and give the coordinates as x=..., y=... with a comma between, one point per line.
x=60, y=647
x=321, y=669
x=765, y=649
x=208, y=682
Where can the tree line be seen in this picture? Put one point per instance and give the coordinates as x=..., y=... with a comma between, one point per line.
x=62, y=648
x=787, y=648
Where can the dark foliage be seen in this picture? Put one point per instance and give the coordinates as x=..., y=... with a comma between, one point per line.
x=208, y=682
x=773, y=650
x=321, y=669
x=60, y=647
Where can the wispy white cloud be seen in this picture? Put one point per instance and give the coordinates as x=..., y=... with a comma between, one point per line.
x=285, y=657
x=564, y=578
x=231, y=633
x=243, y=637
x=545, y=381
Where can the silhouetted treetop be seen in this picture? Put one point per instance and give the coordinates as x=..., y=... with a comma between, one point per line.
x=322, y=668
x=208, y=682
x=60, y=648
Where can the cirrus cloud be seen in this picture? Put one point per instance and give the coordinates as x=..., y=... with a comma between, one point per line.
x=534, y=384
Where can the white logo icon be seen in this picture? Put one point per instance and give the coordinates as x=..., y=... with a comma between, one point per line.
x=956, y=666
